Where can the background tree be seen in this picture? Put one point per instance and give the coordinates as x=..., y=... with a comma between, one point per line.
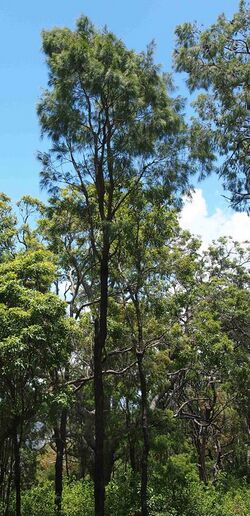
x=34, y=343
x=148, y=226
x=213, y=313
x=217, y=60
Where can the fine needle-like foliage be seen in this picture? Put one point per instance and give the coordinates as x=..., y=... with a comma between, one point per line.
x=217, y=61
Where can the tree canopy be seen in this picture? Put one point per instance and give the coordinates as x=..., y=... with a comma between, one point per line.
x=217, y=61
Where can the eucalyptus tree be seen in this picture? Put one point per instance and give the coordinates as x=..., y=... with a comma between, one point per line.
x=217, y=61
x=112, y=125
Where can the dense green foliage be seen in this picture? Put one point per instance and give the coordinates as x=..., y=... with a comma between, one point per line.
x=217, y=61
x=190, y=499
x=194, y=309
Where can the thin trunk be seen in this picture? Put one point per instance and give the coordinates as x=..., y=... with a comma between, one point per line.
x=131, y=441
x=145, y=433
x=4, y=460
x=9, y=481
x=202, y=458
x=99, y=343
x=66, y=459
x=60, y=439
x=144, y=407
x=99, y=430
x=17, y=473
x=110, y=443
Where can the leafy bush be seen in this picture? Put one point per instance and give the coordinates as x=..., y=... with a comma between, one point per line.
x=122, y=494
x=39, y=501
x=179, y=494
x=78, y=499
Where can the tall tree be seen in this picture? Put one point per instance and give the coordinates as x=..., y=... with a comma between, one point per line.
x=217, y=61
x=113, y=126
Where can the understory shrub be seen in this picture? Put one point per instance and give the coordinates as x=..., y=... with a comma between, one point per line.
x=179, y=496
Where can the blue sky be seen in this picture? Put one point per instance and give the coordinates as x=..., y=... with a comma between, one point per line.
x=24, y=75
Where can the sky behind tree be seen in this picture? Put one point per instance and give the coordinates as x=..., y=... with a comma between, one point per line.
x=24, y=72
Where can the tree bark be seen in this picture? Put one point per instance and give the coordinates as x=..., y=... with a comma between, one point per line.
x=202, y=458
x=131, y=441
x=60, y=439
x=17, y=472
x=99, y=343
x=6, y=497
x=144, y=423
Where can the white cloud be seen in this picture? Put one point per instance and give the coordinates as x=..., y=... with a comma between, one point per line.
x=195, y=218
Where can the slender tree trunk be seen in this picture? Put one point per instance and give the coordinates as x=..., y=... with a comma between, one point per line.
x=99, y=343
x=131, y=442
x=60, y=439
x=144, y=407
x=108, y=465
x=17, y=472
x=5, y=451
x=99, y=430
x=7, y=497
x=202, y=458
x=110, y=442
x=145, y=433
